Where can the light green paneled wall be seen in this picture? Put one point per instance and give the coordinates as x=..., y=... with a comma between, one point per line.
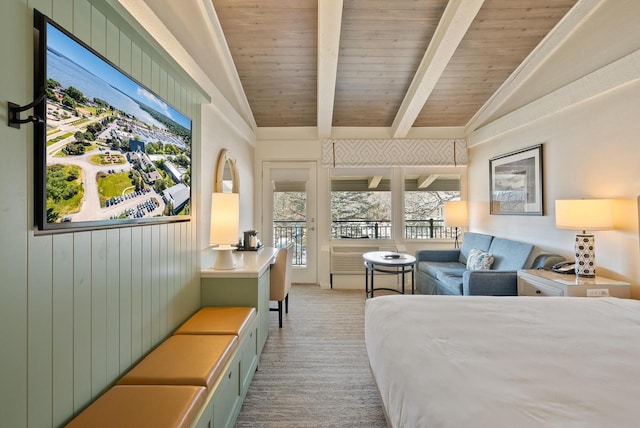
x=79, y=309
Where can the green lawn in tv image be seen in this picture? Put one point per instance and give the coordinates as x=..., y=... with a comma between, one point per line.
x=114, y=150
x=64, y=191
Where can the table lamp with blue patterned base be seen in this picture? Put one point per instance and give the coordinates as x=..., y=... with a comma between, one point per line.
x=585, y=214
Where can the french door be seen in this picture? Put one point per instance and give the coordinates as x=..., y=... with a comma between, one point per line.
x=289, y=213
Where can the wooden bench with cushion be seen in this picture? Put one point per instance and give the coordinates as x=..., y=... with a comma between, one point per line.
x=215, y=352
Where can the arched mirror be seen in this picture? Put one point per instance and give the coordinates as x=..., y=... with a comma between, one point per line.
x=227, y=178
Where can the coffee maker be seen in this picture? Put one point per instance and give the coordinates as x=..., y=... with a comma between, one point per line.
x=251, y=240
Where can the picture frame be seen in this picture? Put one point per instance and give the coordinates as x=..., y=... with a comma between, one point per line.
x=515, y=181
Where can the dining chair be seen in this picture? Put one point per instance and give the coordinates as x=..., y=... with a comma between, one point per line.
x=280, y=281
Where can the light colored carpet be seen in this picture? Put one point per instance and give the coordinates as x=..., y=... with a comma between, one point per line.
x=314, y=372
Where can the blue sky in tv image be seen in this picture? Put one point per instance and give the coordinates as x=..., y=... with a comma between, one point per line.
x=99, y=78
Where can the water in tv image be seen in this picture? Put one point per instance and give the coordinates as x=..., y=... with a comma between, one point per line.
x=114, y=149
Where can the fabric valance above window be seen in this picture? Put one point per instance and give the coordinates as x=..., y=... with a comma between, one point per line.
x=394, y=152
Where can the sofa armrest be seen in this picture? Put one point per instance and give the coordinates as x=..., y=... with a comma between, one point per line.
x=490, y=283
x=437, y=255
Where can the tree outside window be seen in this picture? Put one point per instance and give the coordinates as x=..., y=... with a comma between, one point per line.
x=424, y=198
x=361, y=208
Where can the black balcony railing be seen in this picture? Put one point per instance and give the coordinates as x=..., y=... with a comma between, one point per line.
x=381, y=229
x=428, y=229
x=296, y=231
x=361, y=229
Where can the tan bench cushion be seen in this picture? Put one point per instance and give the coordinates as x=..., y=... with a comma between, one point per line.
x=183, y=360
x=219, y=320
x=142, y=406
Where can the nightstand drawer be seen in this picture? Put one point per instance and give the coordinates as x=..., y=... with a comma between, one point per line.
x=526, y=288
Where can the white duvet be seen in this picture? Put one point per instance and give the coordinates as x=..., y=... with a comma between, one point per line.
x=473, y=361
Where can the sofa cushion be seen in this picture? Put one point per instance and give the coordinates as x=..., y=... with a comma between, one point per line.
x=479, y=260
x=509, y=254
x=473, y=240
x=449, y=284
x=434, y=268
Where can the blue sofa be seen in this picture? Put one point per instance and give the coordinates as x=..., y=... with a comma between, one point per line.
x=445, y=271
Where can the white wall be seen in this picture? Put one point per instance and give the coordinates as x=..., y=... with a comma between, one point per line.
x=590, y=150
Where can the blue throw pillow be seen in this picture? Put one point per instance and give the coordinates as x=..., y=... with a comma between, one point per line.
x=479, y=260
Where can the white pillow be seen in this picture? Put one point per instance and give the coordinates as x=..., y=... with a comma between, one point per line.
x=479, y=260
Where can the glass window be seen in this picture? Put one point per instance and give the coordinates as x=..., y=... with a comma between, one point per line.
x=361, y=207
x=424, y=196
x=290, y=218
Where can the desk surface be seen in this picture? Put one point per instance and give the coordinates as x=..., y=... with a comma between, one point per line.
x=249, y=264
x=388, y=258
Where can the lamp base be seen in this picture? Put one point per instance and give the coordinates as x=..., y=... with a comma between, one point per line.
x=224, y=258
x=585, y=255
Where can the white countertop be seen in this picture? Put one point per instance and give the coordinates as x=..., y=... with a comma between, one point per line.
x=249, y=264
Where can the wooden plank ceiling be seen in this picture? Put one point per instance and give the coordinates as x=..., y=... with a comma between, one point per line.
x=499, y=39
x=381, y=45
x=274, y=45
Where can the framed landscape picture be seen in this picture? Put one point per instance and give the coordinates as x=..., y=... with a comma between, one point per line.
x=515, y=181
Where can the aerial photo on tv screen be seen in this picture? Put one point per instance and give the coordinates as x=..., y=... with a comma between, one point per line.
x=114, y=149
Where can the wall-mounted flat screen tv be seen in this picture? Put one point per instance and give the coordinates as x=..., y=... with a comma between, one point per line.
x=109, y=151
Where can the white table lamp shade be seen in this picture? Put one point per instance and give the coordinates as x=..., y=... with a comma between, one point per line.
x=225, y=218
x=455, y=214
x=584, y=214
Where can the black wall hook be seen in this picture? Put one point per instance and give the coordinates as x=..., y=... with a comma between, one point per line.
x=15, y=110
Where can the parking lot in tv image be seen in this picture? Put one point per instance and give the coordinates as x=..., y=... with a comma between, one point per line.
x=114, y=150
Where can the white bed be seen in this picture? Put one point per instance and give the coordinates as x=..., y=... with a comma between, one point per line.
x=473, y=361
